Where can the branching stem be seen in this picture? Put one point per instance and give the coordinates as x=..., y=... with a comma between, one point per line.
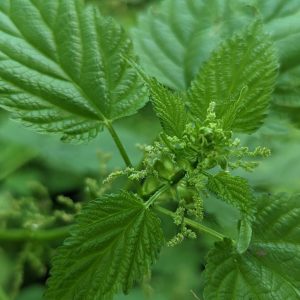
x=40, y=235
x=119, y=144
x=191, y=223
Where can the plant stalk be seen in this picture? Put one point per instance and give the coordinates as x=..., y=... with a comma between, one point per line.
x=172, y=182
x=119, y=144
x=157, y=194
x=40, y=235
x=191, y=223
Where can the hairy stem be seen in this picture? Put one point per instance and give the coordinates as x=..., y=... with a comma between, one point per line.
x=191, y=223
x=119, y=144
x=41, y=235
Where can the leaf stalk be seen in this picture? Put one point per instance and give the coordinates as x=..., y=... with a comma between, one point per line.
x=40, y=235
x=119, y=144
x=192, y=223
x=156, y=195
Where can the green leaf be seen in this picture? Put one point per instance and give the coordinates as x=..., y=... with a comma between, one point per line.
x=115, y=241
x=175, y=38
x=282, y=20
x=169, y=108
x=61, y=67
x=234, y=190
x=239, y=77
x=269, y=269
x=245, y=235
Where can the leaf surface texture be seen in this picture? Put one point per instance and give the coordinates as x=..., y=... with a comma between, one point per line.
x=239, y=77
x=269, y=269
x=113, y=244
x=61, y=67
x=175, y=38
x=234, y=190
x=169, y=108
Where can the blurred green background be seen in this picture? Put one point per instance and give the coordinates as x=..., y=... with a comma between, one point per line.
x=36, y=169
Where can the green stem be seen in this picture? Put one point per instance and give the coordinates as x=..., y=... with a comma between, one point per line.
x=118, y=144
x=191, y=223
x=41, y=235
x=157, y=194
x=172, y=182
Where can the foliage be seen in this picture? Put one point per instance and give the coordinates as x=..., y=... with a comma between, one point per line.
x=117, y=239
x=233, y=189
x=209, y=69
x=169, y=108
x=69, y=76
x=239, y=77
x=258, y=273
x=193, y=29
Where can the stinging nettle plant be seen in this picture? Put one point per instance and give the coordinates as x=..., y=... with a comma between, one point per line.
x=66, y=69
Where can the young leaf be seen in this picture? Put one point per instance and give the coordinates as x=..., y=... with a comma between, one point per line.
x=113, y=244
x=204, y=24
x=239, y=77
x=169, y=107
x=61, y=67
x=270, y=267
x=234, y=190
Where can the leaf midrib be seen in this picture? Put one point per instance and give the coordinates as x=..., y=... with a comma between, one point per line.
x=99, y=113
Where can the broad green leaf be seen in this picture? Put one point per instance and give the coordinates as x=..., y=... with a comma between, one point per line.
x=270, y=268
x=169, y=108
x=234, y=190
x=61, y=67
x=175, y=38
x=245, y=235
x=282, y=19
x=113, y=244
x=239, y=77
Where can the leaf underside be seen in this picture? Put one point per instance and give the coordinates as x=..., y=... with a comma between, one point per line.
x=239, y=77
x=270, y=268
x=113, y=244
x=61, y=69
